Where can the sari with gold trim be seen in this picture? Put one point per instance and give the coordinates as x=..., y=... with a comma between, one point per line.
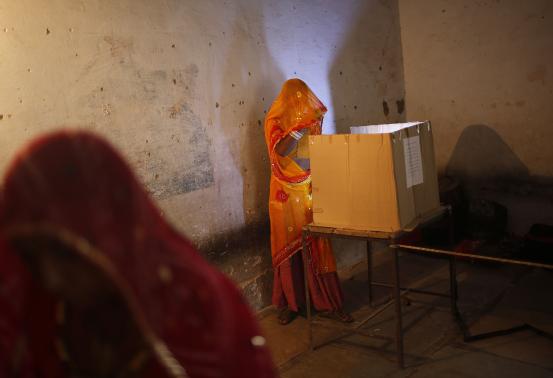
x=290, y=204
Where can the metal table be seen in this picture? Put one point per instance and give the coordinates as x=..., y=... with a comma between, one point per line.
x=392, y=238
x=394, y=244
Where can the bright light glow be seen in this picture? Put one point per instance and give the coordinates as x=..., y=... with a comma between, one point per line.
x=304, y=38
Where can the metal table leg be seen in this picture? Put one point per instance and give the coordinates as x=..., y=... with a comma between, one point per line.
x=370, y=272
x=306, y=285
x=454, y=297
x=452, y=266
x=397, y=300
x=453, y=285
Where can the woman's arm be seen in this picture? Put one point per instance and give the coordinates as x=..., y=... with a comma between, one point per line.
x=287, y=145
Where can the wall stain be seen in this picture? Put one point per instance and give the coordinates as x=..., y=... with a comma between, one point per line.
x=538, y=74
x=119, y=47
x=186, y=78
x=174, y=111
x=385, y=108
x=400, y=106
x=172, y=152
x=107, y=109
x=180, y=167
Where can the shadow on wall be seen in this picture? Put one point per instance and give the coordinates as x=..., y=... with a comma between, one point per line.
x=366, y=78
x=489, y=169
x=251, y=81
x=246, y=135
x=481, y=155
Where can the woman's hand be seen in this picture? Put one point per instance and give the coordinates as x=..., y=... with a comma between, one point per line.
x=287, y=144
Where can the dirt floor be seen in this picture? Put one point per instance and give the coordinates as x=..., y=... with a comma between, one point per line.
x=491, y=297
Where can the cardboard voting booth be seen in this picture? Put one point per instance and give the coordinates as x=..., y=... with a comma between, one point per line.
x=379, y=177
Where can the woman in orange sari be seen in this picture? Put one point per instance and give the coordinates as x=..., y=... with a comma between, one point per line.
x=296, y=113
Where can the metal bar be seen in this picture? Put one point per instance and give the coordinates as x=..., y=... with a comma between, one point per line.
x=541, y=332
x=357, y=327
x=453, y=293
x=501, y=332
x=379, y=311
x=461, y=323
x=369, y=271
x=351, y=330
x=417, y=291
x=342, y=236
x=397, y=300
x=468, y=338
x=450, y=227
x=306, y=284
x=472, y=256
x=453, y=284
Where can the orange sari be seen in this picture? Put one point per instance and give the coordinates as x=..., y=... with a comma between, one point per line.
x=295, y=108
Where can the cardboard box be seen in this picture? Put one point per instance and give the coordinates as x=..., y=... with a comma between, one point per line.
x=380, y=178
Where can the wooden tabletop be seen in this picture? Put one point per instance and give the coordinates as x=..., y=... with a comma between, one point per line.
x=314, y=228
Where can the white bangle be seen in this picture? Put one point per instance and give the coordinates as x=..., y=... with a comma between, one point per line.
x=296, y=135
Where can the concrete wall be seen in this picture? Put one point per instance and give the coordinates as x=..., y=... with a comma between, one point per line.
x=481, y=71
x=181, y=87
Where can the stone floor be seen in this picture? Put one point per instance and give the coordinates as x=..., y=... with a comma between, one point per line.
x=491, y=297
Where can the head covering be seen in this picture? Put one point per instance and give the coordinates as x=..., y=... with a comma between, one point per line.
x=296, y=105
x=295, y=108
x=72, y=186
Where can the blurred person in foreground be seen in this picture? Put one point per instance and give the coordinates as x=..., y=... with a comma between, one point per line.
x=94, y=283
x=295, y=114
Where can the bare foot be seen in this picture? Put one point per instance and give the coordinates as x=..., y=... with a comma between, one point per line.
x=344, y=317
x=286, y=315
x=339, y=315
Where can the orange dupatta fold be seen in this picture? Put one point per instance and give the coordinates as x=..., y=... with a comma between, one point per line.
x=290, y=208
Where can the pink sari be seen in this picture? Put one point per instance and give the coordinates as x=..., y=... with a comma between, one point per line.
x=73, y=187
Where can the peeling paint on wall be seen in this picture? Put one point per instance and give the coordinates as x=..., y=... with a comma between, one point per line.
x=189, y=145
